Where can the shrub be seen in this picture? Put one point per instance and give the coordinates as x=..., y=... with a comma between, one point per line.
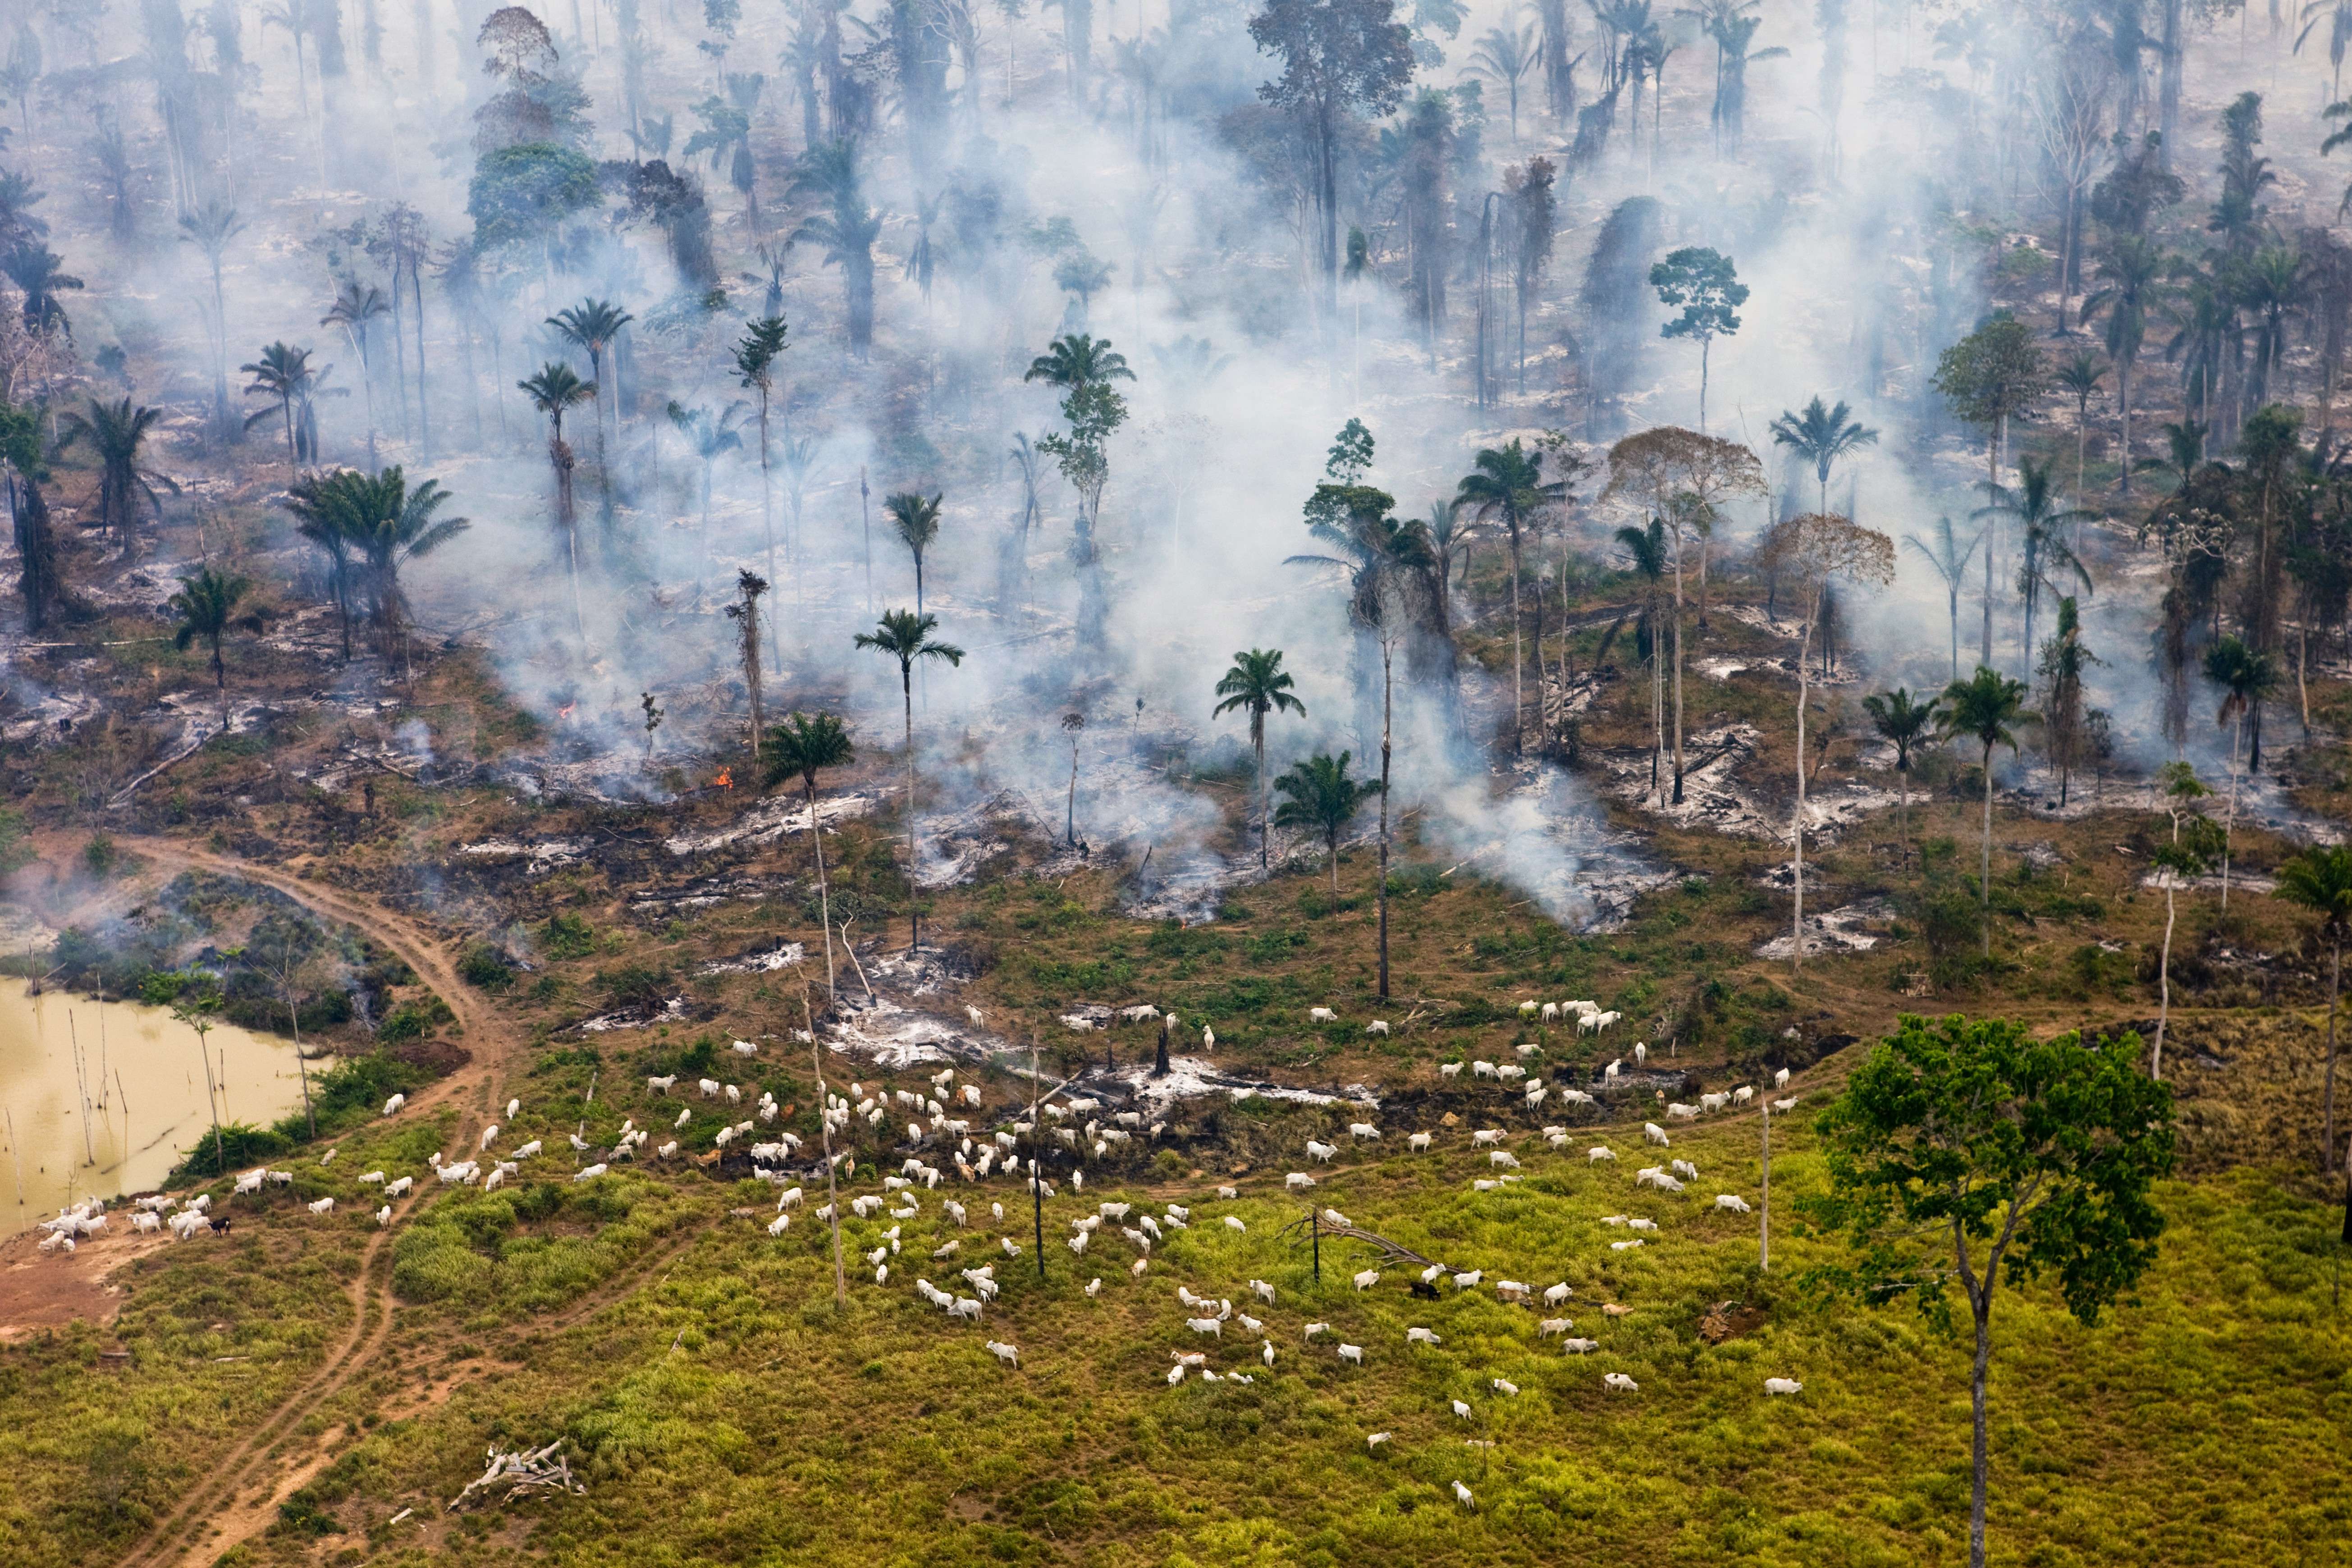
x=240, y=1146
x=100, y=856
x=567, y=936
x=484, y=967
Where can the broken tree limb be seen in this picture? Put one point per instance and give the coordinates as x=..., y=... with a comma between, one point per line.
x=538, y=1472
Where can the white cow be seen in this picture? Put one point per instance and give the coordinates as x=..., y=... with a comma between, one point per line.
x=1733, y=1202
x=1599, y=1151
x=1619, y=1382
x=1321, y=1015
x=1654, y=1133
x=1368, y=1278
x=1783, y=1385
x=1418, y=1143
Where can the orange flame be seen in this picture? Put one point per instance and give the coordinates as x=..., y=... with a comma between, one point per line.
x=726, y=779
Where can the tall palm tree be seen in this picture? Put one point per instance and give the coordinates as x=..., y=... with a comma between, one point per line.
x=591, y=326
x=846, y=226
x=1320, y=795
x=2044, y=554
x=1507, y=482
x=711, y=437
x=115, y=433
x=1505, y=56
x=1257, y=685
x=1987, y=707
x=209, y=229
x=357, y=308
x=555, y=388
x=283, y=374
x=207, y=604
x=2080, y=377
x=2246, y=675
x=40, y=276
x=1902, y=723
x=2272, y=284
x=804, y=746
x=2132, y=276
x=2320, y=879
x=915, y=517
x=1646, y=558
x=1820, y=436
x=1950, y=560
x=1448, y=533
x=756, y=353
x=906, y=636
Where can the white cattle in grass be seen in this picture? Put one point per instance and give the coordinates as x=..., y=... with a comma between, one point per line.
x=1619, y=1382
x=1733, y=1202
x=1599, y=1151
x=1421, y=1337
x=1654, y=1133
x=1368, y=1278
x=1321, y=1015
x=1418, y=1143
x=1783, y=1385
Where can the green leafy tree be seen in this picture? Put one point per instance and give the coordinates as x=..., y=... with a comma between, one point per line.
x=209, y=606
x=40, y=276
x=1820, y=436
x=1320, y=795
x=2320, y=879
x=1704, y=287
x=2195, y=844
x=802, y=747
x=1257, y=685
x=846, y=226
x=906, y=636
x=1987, y=707
x=1967, y=1152
x=1992, y=376
x=2245, y=676
x=1341, y=59
x=1092, y=409
x=521, y=195
x=1904, y=723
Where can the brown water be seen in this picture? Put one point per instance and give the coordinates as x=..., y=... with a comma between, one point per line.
x=138, y=1072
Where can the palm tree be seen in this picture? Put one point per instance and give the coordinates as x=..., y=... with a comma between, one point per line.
x=847, y=228
x=1257, y=685
x=755, y=370
x=1449, y=541
x=1820, y=436
x=356, y=310
x=2320, y=879
x=2337, y=15
x=592, y=325
x=1951, y=564
x=1985, y=709
x=2081, y=376
x=207, y=604
x=283, y=374
x=1076, y=361
x=906, y=636
x=115, y=433
x=2133, y=273
x=805, y=745
x=39, y=275
x=1902, y=723
x=555, y=388
x=391, y=525
x=1646, y=560
x=1505, y=56
x=712, y=436
x=321, y=514
x=2043, y=553
x=210, y=228
x=915, y=517
x=1321, y=796
x=1507, y=482
x=2245, y=676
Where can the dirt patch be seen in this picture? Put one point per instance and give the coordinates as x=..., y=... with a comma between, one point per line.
x=47, y=1292
x=1728, y=1321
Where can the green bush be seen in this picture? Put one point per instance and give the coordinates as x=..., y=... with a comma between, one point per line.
x=240, y=1147
x=100, y=856
x=409, y=1021
x=484, y=967
x=567, y=936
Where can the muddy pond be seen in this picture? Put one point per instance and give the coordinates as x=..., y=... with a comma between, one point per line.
x=105, y=1098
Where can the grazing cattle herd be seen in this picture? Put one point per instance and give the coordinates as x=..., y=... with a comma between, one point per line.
x=931, y=1130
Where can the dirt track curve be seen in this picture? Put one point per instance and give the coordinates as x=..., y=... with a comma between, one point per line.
x=237, y=1497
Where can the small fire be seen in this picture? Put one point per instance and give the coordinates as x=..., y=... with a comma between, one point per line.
x=726, y=779
x=564, y=712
